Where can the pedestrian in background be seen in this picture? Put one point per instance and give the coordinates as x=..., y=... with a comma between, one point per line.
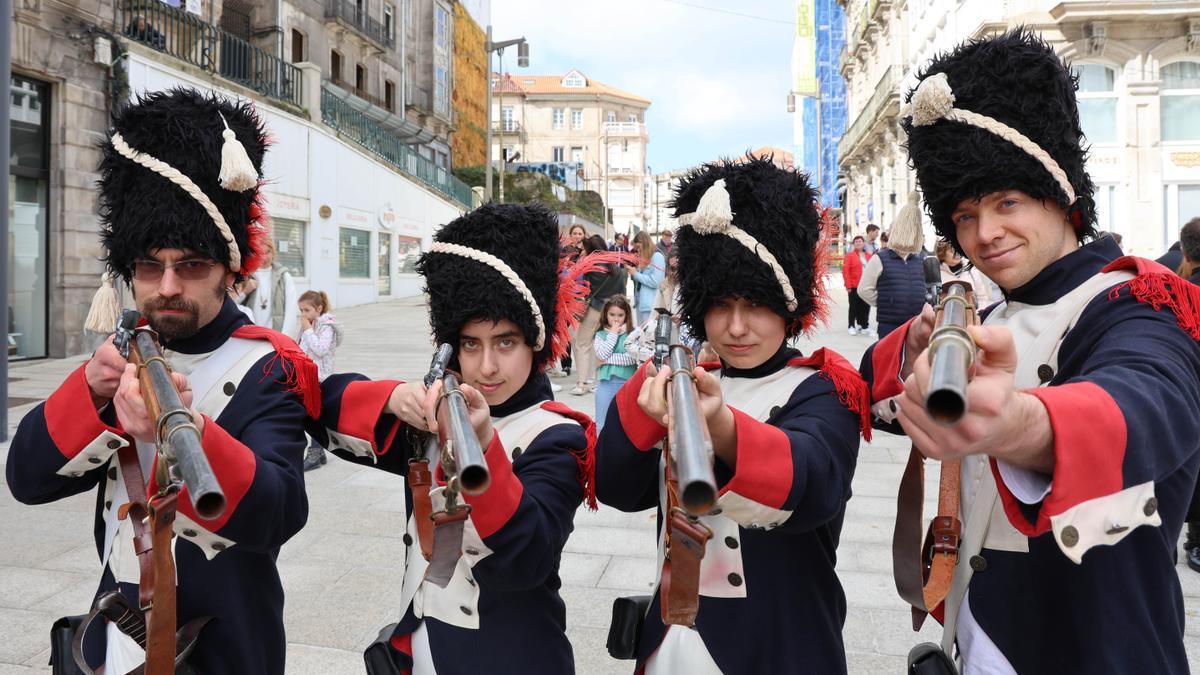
x=852, y=268
x=602, y=284
x=649, y=273
x=665, y=241
x=956, y=268
x=871, y=245
x=320, y=335
x=617, y=364
x=893, y=280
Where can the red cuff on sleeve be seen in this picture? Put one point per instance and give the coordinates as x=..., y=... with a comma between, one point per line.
x=764, y=462
x=71, y=419
x=885, y=364
x=1089, y=452
x=492, y=509
x=232, y=463
x=642, y=431
x=362, y=405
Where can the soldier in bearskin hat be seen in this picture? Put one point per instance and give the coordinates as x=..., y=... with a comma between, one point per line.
x=181, y=221
x=1075, y=472
x=784, y=427
x=499, y=295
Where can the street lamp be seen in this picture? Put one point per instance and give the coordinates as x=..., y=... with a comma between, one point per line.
x=523, y=62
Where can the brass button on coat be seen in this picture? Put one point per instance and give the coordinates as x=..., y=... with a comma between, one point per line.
x=1045, y=373
x=978, y=563
x=1151, y=506
x=229, y=388
x=1069, y=536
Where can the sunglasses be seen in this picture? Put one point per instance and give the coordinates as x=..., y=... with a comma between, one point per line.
x=188, y=270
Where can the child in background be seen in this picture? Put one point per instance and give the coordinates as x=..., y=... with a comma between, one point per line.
x=616, y=363
x=320, y=335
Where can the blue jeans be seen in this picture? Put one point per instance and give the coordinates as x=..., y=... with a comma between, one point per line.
x=606, y=391
x=642, y=316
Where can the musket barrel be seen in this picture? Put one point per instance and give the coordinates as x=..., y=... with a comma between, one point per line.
x=177, y=430
x=454, y=421
x=691, y=447
x=951, y=353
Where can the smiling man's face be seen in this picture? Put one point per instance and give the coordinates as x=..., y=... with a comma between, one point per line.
x=1011, y=237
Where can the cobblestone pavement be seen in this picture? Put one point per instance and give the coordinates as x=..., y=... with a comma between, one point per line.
x=342, y=572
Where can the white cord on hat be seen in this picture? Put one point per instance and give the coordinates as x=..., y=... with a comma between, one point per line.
x=177, y=177
x=508, y=273
x=713, y=215
x=934, y=100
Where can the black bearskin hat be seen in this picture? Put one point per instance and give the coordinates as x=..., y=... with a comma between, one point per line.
x=775, y=206
x=141, y=209
x=462, y=289
x=1014, y=78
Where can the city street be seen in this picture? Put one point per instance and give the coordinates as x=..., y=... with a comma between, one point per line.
x=342, y=572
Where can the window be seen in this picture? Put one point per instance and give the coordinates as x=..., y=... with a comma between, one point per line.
x=612, y=116
x=389, y=22
x=576, y=119
x=408, y=252
x=354, y=253
x=574, y=80
x=557, y=154
x=441, y=29
x=441, y=101
x=577, y=154
x=506, y=114
x=389, y=95
x=558, y=118
x=28, y=210
x=298, y=47
x=1097, y=102
x=335, y=65
x=289, y=244
x=1180, y=101
x=384, y=283
x=360, y=78
x=633, y=118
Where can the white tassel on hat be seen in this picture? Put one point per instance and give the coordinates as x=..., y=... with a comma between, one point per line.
x=237, y=171
x=103, y=314
x=713, y=214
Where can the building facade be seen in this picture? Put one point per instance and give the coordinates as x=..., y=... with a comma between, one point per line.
x=571, y=118
x=1138, y=65
x=469, y=141
x=352, y=202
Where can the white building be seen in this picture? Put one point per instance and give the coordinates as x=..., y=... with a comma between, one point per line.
x=1138, y=64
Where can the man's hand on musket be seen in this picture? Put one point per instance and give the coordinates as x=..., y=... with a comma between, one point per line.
x=722, y=428
x=917, y=340
x=1001, y=421
x=103, y=373
x=407, y=402
x=131, y=407
x=477, y=410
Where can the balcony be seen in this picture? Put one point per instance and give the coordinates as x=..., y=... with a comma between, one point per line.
x=886, y=96
x=192, y=40
x=355, y=125
x=509, y=129
x=625, y=129
x=354, y=16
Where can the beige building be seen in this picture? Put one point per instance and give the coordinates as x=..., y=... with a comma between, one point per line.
x=1138, y=64
x=570, y=118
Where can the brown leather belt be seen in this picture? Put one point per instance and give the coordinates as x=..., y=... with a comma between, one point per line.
x=923, y=570
x=686, y=538
x=419, y=480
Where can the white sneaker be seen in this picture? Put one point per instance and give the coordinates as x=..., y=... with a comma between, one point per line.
x=579, y=390
x=555, y=387
x=873, y=335
x=854, y=330
x=556, y=372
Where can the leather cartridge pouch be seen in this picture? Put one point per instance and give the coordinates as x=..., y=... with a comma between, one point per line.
x=928, y=658
x=61, y=635
x=625, y=631
x=378, y=654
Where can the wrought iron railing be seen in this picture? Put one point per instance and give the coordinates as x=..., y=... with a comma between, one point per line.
x=357, y=18
x=357, y=127
x=186, y=37
x=887, y=88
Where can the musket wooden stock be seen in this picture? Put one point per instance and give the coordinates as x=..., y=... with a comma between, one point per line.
x=177, y=435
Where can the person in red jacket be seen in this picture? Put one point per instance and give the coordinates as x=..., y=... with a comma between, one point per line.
x=852, y=269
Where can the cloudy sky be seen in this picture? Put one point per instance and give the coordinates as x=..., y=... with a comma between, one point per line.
x=717, y=72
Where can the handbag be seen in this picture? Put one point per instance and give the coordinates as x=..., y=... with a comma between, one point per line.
x=928, y=658
x=62, y=633
x=378, y=654
x=628, y=616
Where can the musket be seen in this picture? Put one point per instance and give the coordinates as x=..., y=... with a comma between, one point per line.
x=461, y=454
x=687, y=431
x=181, y=456
x=951, y=347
